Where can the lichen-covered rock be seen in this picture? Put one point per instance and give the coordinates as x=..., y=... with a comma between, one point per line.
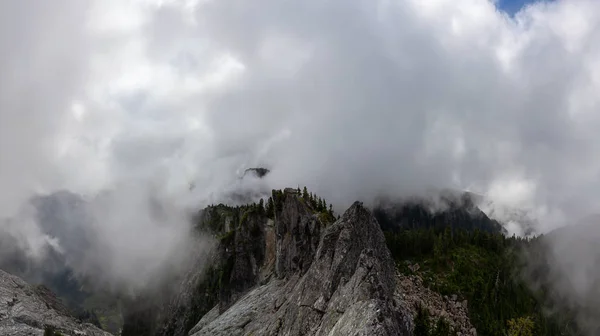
x=346, y=289
x=28, y=310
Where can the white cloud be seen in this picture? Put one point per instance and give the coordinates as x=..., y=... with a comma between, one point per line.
x=352, y=98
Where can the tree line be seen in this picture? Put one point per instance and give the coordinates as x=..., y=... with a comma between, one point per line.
x=483, y=267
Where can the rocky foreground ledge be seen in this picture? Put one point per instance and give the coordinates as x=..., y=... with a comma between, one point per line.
x=30, y=310
x=347, y=288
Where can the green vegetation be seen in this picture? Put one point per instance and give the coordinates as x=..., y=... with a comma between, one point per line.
x=227, y=237
x=425, y=327
x=317, y=204
x=523, y=326
x=483, y=268
x=50, y=331
x=421, y=322
x=207, y=295
x=107, y=308
x=270, y=210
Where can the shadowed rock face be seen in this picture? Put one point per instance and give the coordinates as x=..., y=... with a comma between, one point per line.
x=298, y=232
x=252, y=250
x=347, y=288
x=28, y=310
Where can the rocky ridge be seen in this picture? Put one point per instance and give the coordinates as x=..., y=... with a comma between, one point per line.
x=30, y=310
x=287, y=267
x=347, y=288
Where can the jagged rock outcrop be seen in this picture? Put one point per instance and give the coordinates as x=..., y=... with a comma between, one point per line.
x=29, y=310
x=345, y=289
x=298, y=231
x=285, y=269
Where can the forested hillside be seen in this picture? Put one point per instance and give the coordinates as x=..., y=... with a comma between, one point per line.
x=484, y=268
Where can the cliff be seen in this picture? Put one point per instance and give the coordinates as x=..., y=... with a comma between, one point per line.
x=344, y=286
x=285, y=268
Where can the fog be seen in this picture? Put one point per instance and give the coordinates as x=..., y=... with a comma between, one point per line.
x=125, y=101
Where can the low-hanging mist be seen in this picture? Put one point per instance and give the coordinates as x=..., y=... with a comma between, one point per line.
x=130, y=104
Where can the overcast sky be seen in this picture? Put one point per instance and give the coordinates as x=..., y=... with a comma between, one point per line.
x=352, y=98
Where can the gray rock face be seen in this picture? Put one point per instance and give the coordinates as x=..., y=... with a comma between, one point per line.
x=298, y=232
x=345, y=287
x=242, y=255
x=239, y=259
x=27, y=310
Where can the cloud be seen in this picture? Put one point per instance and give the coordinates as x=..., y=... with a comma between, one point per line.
x=354, y=99
x=42, y=67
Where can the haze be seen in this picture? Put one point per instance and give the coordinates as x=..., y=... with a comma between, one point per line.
x=354, y=99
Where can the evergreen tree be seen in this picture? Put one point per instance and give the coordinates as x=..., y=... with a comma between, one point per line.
x=305, y=194
x=49, y=331
x=523, y=326
x=261, y=207
x=270, y=208
x=481, y=267
x=442, y=328
x=277, y=199
x=421, y=322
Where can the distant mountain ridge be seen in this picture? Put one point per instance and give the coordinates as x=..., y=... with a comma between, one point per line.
x=458, y=211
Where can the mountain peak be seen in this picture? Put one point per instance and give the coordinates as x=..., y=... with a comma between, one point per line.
x=347, y=287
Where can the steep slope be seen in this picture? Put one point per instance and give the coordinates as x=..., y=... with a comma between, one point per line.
x=484, y=272
x=281, y=268
x=243, y=234
x=29, y=310
x=348, y=288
